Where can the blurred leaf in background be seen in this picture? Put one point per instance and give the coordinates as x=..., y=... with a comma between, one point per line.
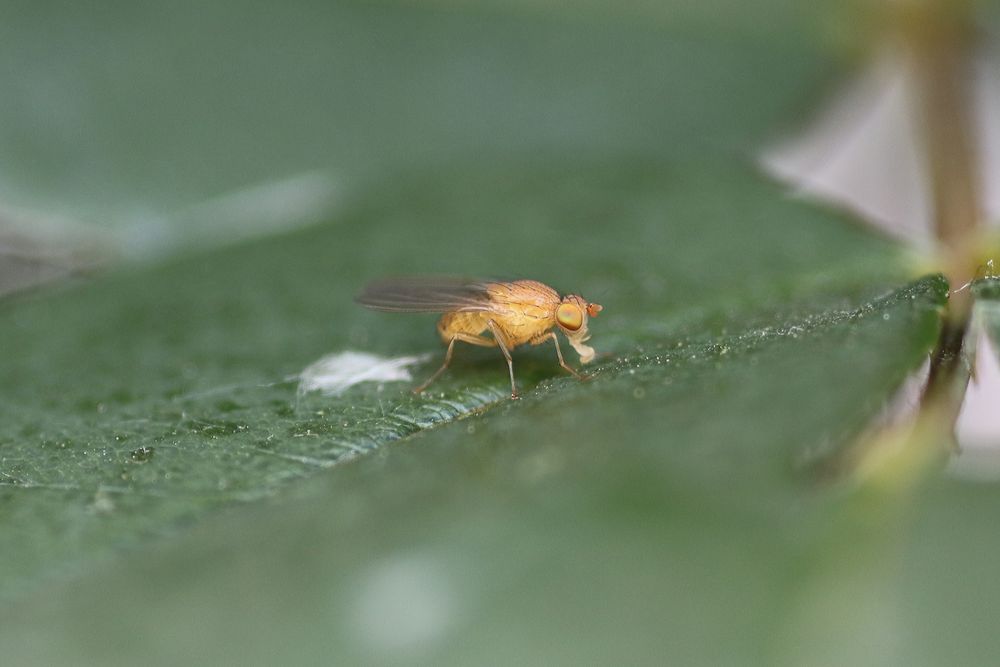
x=168, y=494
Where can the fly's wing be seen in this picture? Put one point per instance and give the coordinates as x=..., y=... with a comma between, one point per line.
x=416, y=294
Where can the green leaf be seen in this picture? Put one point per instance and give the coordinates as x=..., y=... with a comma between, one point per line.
x=614, y=519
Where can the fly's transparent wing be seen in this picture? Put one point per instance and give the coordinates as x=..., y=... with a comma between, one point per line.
x=425, y=294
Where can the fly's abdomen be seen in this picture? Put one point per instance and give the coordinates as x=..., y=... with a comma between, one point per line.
x=472, y=324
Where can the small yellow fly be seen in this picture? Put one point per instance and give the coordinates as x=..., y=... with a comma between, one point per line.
x=514, y=313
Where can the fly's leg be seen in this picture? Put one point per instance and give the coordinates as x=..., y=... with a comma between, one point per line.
x=555, y=339
x=465, y=338
x=498, y=335
x=447, y=360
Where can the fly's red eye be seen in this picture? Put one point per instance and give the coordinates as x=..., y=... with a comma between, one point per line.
x=569, y=316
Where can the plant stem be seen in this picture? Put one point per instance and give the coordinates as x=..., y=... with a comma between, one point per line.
x=939, y=36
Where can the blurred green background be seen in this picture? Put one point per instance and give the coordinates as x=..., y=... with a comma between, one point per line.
x=237, y=171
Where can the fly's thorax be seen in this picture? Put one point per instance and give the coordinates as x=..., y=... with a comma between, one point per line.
x=525, y=323
x=521, y=309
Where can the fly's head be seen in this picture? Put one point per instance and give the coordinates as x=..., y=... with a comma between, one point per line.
x=572, y=314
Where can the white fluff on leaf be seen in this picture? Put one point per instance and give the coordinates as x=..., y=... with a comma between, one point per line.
x=336, y=373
